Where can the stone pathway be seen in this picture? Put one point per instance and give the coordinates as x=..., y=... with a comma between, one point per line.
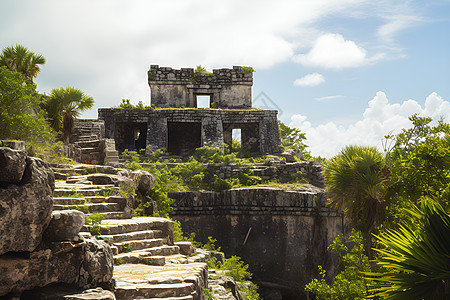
x=148, y=264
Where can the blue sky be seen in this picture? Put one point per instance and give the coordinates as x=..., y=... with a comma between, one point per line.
x=344, y=72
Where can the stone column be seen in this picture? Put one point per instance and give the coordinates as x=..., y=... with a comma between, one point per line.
x=212, y=132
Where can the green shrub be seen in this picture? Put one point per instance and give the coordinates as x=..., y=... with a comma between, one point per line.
x=94, y=221
x=349, y=283
x=245, y=70
x=208, y=294
x=127, y=247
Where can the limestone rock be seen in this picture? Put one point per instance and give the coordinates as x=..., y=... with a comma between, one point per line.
x=98, y=263
x=103, y=179
x=291, y=154
x=144, y=180
x=64, y=225
x=25, y=209
x=12, y=165
x=273, y=160
x=84, y=264
x=186, y=248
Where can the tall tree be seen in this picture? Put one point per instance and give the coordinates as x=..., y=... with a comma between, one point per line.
x=19, y=117
x=65, y=104
x=356, y=179
x=20, y=59
x=293, y=138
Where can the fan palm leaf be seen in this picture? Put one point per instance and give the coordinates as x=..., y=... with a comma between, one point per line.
x=416, y=257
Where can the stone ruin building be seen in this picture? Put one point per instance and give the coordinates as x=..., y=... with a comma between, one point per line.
x=177, y=123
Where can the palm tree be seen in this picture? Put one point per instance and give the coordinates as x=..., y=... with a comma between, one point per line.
x=416, y=257
x=20, y=59
x=356, y=180
x=63, y=105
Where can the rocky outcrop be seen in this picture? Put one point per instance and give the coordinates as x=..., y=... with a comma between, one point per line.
x=64, y=226
x=85, y=264
x=38, y=248
x=25, y=206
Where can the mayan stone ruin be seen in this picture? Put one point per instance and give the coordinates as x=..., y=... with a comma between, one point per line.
x=181, y=128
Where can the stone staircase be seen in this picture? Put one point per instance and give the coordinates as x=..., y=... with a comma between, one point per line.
x=148, y=264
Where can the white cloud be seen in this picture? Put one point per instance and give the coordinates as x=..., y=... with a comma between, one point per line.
x=379, y=119
x=395, y=24
x=332, y=51
x=312, y=79
x=328, y=97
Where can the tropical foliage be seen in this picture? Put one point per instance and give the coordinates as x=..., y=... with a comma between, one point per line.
x=356, y=180
x=348, y=283
x=20, y=117
x=415, y=258
x=22, y=60
x=293, y=138
x=65, y=104
x=419, y=161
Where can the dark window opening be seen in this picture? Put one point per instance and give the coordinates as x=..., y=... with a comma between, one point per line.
x=183, y=137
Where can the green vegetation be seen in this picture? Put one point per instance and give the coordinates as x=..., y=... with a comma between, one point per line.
x=348, y=283
x=94, y=221
x=63, y=105
x=246, y=70
x=127, y=247
x=201, y=72
x=415, y=259
x=19, y=58
x=29, y=116
x=126, y=105
x=208, y=294
x=293, y=138
x=20, y=117
x=356, y=180
x=403, y=197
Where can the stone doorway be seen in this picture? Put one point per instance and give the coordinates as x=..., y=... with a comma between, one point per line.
x=183, y=137
x=131, y=136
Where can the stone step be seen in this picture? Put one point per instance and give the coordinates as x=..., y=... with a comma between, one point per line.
x=91, y=207
x=69, y=201
x=95, y=199
x=88, y=144
x=139, y=244
x=107, y=199
x=139, y=258
x=63, y=192
x=164, y=250
x=84, y=169
x=111, y=227
x=138, y=290
x=81, y=186
x=112, y=153
x=115, y=215
x=137, y=235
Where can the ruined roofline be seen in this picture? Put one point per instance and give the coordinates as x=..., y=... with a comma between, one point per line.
x=186, y=76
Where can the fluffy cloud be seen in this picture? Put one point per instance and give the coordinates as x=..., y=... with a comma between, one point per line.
x=312, y=79
x=332, y=51
x=379, y=119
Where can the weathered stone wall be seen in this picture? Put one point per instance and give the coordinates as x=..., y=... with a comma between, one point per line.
x=228, y=88
x=212, y=121
x=282, y=235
